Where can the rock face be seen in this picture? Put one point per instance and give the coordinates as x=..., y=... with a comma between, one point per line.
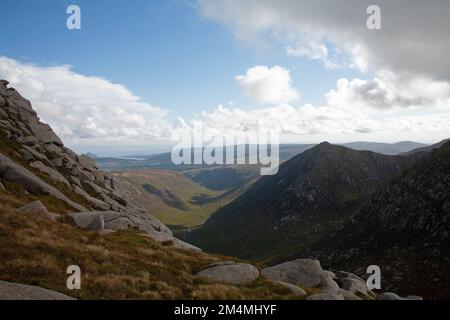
x=15, y=291
x=231, y=273
x=38, y=160
x=11, y=171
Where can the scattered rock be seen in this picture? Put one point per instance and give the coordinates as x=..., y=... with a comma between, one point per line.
x=414, y=298
x=239, y=273
x=354, y=285
x=344, y=274
x=295, y=290
x=16, y=291
x=328, y=285
x=325, y=296
x=348, y=295
x=37, y=209
x=389, y=296
x=2, y=187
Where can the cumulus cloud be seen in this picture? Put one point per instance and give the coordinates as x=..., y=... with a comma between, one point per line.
x=389, y=91
x=81, y=107
x=414, y=38
x=268, y=85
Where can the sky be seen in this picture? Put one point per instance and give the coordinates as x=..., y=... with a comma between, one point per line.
x=140, y=73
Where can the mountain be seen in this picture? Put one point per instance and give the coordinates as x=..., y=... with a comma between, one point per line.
x=311, y=196
x=404, y=227
x=427, y=148
x=385, y=148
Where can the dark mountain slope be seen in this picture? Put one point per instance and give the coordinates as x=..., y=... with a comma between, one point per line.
x=404, y=228
x=312, y=194
x=427, y=148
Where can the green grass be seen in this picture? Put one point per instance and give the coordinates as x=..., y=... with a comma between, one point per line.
x=168, y=186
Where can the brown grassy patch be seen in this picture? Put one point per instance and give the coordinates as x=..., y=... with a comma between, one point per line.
x=123, y=265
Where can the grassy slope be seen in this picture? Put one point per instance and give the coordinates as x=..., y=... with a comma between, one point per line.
x=194, y=203
x=123, y=265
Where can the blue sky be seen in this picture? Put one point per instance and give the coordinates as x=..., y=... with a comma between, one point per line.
x=163, y=51
x=140, y=72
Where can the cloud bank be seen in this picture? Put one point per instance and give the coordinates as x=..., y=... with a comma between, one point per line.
x=80, y=107
x=414, y=38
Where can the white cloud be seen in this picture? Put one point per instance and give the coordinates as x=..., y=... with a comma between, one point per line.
x=389, y=91
x=81, y=107
x=86, y=110
x=268, y=85
x=383, y=109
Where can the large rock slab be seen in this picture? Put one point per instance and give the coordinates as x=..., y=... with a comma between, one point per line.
x=235, y=273
x=306, y=273
x=325, y=296
x=113, y=220
x=16, y=291
x=295, y=290
x=54, y=174
x=389, y=296
x=177, y=243
x=36, y=209
x=11, y=171
x=348, y=295
x=354, y=285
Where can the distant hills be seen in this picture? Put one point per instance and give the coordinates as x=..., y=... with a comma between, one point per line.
x=286, y=151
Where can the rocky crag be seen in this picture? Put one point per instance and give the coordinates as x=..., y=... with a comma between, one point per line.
x=35, y=157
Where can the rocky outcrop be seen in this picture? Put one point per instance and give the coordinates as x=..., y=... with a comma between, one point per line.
x=15, y=291
x=231, y=273
x=115, y=221
x=38, y=160
x=11, y=171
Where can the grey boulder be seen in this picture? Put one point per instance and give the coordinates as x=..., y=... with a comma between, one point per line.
x=354, y=285
x=16, y=291
x=325, y=296
x=37, y=209
x=389, y=296
x=304, y=272
x=236, y=273
x=348, y=295
x=177, y=243
x=295, y=290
